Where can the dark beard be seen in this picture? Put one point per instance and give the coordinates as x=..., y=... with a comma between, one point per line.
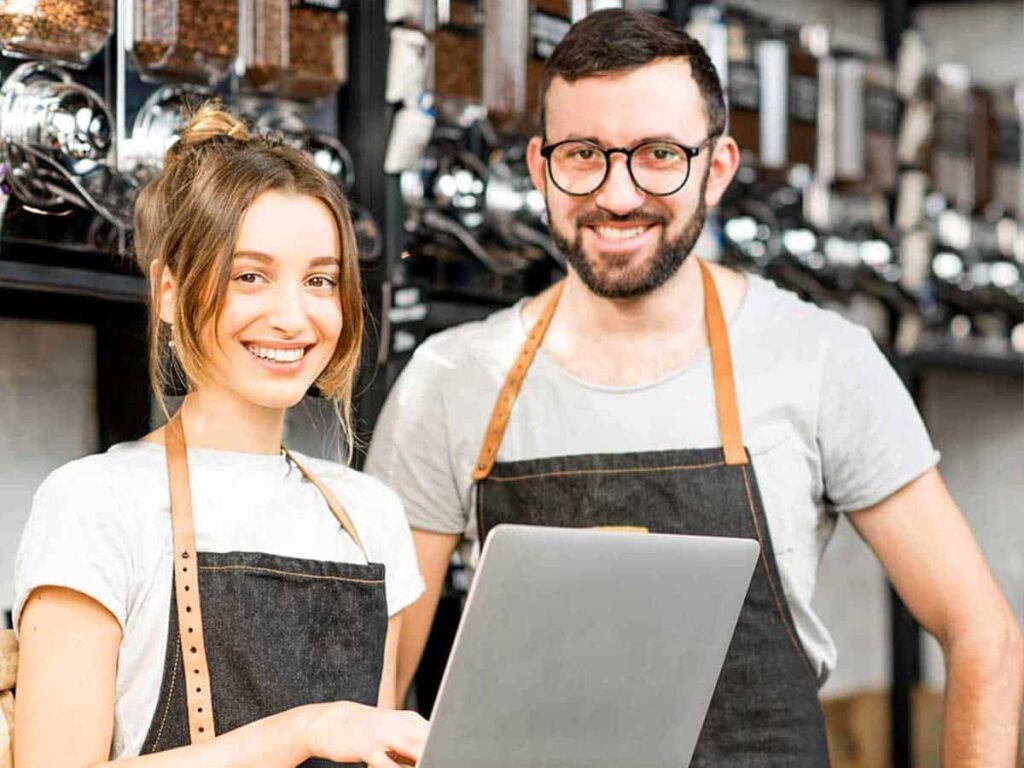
x=666, y=261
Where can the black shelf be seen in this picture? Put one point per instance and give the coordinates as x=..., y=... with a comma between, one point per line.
x=74, y=281
x=967, y=361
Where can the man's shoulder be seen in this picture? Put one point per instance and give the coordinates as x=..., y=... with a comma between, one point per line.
x=776, y=313
x=469, y=346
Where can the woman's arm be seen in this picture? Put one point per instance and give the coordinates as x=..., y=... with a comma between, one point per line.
x=65, y=703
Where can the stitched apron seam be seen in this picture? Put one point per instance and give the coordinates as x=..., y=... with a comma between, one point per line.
x=619, y=471
x=275, y=571
x=798, y=646
x=170, y=695
x=480, y=512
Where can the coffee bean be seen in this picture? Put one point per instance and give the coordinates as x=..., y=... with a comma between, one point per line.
x=198, y=44
x=68, y=31
x=311, y=65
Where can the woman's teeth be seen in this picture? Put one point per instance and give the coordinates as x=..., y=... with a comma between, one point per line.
x=277, y=355
x=616, y=233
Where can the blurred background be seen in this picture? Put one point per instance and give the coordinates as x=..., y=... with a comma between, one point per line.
x=881, y=177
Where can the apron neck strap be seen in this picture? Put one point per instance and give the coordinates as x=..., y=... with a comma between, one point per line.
x=337, y=508
x=721, y=369
x=186, y=587
x=186, y=575
x=513, y=382
x=721, y=366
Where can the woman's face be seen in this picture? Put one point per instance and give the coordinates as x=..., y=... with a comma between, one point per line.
x=281, y=316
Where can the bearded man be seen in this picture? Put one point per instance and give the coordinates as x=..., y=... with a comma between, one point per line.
x=652, y=390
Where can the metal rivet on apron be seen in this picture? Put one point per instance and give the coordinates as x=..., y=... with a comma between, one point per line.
x=185, y=554
x=188, y=609
x=192, y=649
x=195, y=671
x=186, y=587
x=201, y=729
x=200, y=710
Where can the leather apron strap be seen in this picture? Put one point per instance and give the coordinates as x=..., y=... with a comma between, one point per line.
x=721, y=366
x=337, y=508
x=186, y=575
x=186, y=588
x=513, y=382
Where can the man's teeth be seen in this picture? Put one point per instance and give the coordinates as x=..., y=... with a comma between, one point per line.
x=277, y=355
x=615, y=233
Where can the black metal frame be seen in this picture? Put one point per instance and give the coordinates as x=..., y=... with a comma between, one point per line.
x=44, y=282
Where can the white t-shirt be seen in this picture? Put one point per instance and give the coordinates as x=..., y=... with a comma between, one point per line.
x=101, y=525
x=829, y=426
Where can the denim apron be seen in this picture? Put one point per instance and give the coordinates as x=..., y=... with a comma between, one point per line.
x=272, y=632
x=765, y=711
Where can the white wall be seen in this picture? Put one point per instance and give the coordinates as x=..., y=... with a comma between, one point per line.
x=986, y=35
x=47, y=417
x=977, y=422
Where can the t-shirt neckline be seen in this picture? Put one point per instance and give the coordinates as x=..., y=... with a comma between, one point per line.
x=701, y=359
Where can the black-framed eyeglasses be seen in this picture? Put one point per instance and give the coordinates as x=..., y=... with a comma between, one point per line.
x=579, y=167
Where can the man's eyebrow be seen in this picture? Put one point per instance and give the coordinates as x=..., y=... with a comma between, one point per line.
x=641, y=140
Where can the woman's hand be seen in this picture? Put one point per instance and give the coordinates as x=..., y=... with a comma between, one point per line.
x=382, y=738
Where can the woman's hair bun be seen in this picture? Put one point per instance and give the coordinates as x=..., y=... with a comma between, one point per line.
x=210, y=121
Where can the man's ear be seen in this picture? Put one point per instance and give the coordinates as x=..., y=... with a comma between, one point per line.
x=725, y=160
x=537, y=164
x=165, y=292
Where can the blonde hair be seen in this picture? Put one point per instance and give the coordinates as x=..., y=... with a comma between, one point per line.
x=187, y=220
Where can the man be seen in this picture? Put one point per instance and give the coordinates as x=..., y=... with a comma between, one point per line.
x=634, y=412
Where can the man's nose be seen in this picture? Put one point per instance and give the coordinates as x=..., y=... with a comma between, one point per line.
x=619, y=194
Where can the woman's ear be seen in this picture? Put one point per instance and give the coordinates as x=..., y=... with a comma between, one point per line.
x=165, y=291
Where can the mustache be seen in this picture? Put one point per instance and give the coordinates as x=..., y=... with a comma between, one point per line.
x=639, y=216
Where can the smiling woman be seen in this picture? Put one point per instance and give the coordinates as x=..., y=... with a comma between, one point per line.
x=226, y=202
x=203, y=596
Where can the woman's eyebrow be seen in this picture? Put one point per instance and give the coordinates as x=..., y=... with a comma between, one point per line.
x=254, y=255
x=326, y=261
x=266, y=258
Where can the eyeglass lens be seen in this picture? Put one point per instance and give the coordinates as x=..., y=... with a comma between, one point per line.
x=659, y=168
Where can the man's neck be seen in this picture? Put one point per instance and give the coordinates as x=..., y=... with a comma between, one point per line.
x=673, y=308
x=631, y=342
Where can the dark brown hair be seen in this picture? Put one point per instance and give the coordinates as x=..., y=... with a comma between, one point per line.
x=616, y=40
x=187, y=220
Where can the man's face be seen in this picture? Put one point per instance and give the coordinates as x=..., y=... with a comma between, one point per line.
x=620, y=240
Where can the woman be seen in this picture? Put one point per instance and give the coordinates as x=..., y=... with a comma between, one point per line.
x=230, y=609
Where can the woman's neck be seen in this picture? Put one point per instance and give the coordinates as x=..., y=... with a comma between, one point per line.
x=216, y=419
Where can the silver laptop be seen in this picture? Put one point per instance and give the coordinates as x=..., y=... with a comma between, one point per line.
x=588, y=648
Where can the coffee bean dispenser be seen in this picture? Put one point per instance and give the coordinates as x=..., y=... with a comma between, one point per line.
x=458, y=52
x=293, y=49
x=195, y=41
x=68, y=32
x=549, y=22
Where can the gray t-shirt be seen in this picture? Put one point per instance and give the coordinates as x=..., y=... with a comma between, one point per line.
x=829, y=425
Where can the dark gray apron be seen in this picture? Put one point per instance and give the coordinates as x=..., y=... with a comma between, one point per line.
x=765, y=711
x=273, y=632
